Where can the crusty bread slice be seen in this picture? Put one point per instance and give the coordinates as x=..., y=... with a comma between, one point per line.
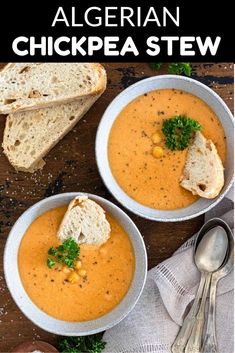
x=27, y=86
x=30, y=135
x=85, y=222
x=203, y=174
x=37, y=166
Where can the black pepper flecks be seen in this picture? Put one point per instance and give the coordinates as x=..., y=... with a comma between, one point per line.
x=55, y=187
x=143, y=134
x=129, y=76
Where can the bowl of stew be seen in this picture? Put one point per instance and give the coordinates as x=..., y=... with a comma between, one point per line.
x=148, y=186
x=115, y=271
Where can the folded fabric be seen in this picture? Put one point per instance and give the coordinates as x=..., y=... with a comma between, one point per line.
x=170, y=289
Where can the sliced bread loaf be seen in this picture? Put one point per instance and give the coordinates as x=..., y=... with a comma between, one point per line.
x=85, y=222
x=203, y=174
x=30, y=135
x=26, y=86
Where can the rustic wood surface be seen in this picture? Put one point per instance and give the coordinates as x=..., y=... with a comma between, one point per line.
x=71, y=166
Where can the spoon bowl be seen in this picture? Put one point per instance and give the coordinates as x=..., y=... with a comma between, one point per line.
x=229, y=260
x=211, y=249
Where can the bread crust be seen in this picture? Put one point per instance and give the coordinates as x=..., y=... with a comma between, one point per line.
x=25, y=104
x=85, y=222
x=203, y=173
x=38, y=162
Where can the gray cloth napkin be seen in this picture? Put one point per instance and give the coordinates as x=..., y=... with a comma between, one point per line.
x=170, y=288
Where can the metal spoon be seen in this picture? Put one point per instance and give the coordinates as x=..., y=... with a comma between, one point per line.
x=206, y=251
x=210, y=342
x=210, y=254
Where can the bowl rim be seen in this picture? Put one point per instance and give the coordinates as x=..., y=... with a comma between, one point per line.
x=118, y=190
x=37, y=316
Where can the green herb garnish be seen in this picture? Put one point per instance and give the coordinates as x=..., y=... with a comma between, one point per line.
x=65, y=254
x=88, y=344
x=156, y=66
x=178, y=131
x=180, y=69
x=175, y=68
x=50, y=262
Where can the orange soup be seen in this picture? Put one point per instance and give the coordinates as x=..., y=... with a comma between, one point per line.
x=154, y=182
x=109, y=268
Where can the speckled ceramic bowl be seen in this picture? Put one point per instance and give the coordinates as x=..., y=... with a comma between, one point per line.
x=162, y=82
x=47, y=322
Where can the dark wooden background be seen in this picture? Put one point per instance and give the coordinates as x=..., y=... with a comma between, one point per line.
x=71, y=166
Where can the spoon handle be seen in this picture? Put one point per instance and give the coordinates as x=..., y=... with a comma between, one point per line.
x=185, y=331
x=210, y=342
x=195, y=339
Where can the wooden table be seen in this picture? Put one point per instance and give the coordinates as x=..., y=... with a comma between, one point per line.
x=71, y=166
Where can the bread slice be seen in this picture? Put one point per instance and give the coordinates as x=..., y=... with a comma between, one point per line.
x=203, y=174
x=85, y=222
x=26, y=86
x=39, y=165
x=30, y=135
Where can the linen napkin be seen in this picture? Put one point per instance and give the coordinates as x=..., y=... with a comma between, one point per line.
x=170, y=288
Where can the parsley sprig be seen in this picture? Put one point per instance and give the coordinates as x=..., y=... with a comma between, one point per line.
x=88, y=344
x=178, y=131
x=175, y=68
x=180, y=69
x=66, y=254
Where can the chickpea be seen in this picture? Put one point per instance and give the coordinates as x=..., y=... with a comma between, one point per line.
x=82, y=273
x=156, y=138
x=157, y=152
x=78, y=265
x=65, y=269
x=73, y=277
